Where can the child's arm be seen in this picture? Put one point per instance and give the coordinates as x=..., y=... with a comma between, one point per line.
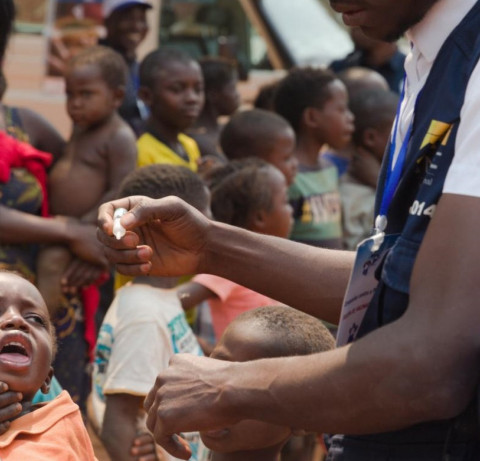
x=191, y=294
x=119, y=428
x=122, y=159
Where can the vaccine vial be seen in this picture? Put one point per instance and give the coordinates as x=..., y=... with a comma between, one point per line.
x=118, y=230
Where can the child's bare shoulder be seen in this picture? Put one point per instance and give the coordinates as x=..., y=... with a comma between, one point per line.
x=121, y=138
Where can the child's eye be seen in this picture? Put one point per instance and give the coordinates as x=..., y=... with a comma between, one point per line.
x=37, y=319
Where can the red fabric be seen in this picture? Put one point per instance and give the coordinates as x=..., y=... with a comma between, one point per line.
x=91, y=299
x=17, y=154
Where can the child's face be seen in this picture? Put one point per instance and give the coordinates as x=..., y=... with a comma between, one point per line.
x=334, y=120
x=282, y=154
x=243, y=342
x=227, y=99
x=177, y=96
x=26, y=347
x=90, y=101
x=277, y=221
x=127, y=28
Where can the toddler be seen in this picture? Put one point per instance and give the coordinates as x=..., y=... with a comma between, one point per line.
x=142, y=329
x=266, y=332
x=99, y=154
x=43, y=432
x=315, y=103
x=246, y=193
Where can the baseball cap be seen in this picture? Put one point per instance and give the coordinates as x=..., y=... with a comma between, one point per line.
x=109, y=6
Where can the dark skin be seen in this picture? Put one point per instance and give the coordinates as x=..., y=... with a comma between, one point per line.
x=422, y=367
x=100, y=153
x=330, y=124
x=175, y=100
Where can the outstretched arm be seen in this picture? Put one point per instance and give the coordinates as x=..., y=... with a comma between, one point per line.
x=172, y=238
x=422, y=367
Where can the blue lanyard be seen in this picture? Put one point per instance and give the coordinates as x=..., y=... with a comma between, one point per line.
x=393, y=173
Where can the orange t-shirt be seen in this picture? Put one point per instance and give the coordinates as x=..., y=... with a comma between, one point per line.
x=233, y=299
x=53, y=431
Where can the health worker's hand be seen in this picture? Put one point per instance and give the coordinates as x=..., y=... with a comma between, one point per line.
x=164, y=237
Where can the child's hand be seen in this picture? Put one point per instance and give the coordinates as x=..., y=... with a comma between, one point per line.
x=143, y=448
x=10, y=406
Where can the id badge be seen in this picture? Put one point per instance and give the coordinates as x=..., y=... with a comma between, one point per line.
x=362, y=285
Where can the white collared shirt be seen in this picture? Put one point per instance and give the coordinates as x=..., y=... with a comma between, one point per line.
x=427, y=37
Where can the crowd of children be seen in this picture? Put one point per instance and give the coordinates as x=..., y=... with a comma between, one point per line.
x=301, y=165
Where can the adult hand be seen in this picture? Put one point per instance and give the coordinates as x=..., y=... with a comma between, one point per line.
x=84, y=244
x=168, y=238
x=10, y=406
x=187, y=397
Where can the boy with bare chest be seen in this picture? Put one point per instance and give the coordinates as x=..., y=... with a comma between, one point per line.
x=99, y=154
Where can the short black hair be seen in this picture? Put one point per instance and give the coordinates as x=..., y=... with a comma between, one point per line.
x=161, y=180
x=217, y=72
x=251, y=133
x=372, y=109
x=359, y=78
x=298, y=333
x=7, y=16
x=301, y=88
x=266, y=97
x=157, y=59
x=239, y=189
x=111, y=64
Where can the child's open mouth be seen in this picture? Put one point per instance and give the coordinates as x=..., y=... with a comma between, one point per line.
x=15, y=350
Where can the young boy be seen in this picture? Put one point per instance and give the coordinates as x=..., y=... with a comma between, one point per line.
x=374, y=112
x=315, y=103
x=263, y=134
x=143, y=328
x=99, y=154
x=171, y=85
x=27, y=346
x=221, y=99
x=266, y=332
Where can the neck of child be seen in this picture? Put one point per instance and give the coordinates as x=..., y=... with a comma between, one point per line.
x=157, y=282
x=165, y=133
x=307, y=150
x=266, y=454
x=27, y=407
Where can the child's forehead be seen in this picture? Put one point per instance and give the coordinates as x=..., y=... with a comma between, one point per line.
x=175, y=69
x=13, y=286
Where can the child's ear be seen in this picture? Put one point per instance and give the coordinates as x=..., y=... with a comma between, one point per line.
x=48, y=380
x=310, y=117
x=145, y=94
x=258, y=221
x=119, y=95
x=369, y=137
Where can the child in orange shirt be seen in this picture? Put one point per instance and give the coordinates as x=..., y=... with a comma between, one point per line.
x=54, y=430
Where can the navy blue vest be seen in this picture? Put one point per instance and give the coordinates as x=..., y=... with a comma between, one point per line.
x=429, y=155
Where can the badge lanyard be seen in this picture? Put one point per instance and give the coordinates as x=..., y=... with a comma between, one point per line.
x=393, y=171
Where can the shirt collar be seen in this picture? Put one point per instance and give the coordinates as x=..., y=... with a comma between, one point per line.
x=431, y=32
